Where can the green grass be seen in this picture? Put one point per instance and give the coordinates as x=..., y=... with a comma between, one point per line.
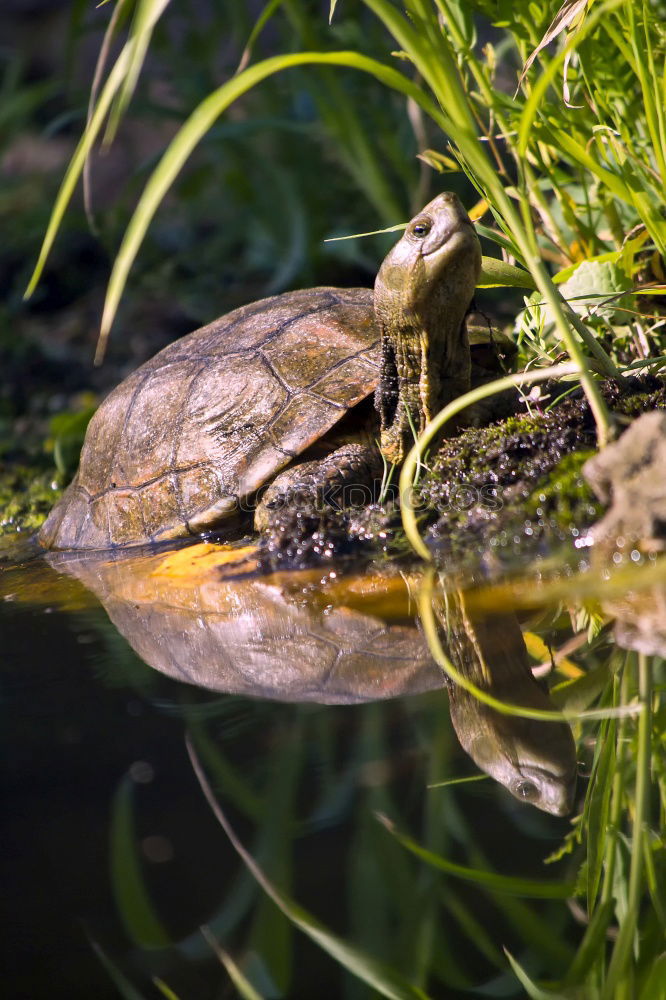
x=571, y=170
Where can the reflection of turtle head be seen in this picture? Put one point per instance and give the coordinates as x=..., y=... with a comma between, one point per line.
x=534, y=760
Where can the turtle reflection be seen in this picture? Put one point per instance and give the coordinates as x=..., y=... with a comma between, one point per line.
x=535, y=760
x=204, y=616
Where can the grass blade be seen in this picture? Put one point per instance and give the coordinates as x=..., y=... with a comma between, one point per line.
x=458, y=781
x=592, y=946
x=145, y=19
x=377, y=975
x=259, y=26
x=76, y=164
x=509, y=884
x=240, y=981
x=497, y=274
x=531, y=989
x=539, y=88
x=597, y=809
x=655, y=984
x=134, y=904
x=196, y=126
x=414, y=457
x=119, y=979
x=165, y=990
x=580, y=155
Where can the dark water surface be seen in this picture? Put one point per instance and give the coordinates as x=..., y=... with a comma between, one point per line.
x=112, y=859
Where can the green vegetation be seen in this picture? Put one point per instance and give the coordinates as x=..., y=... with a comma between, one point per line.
x=564, y=497
x=569, y=173
x=26, y=497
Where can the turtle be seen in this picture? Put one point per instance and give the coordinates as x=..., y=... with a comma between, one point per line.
x=277, y=393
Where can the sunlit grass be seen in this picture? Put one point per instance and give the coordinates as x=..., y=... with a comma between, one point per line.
x=573, y=169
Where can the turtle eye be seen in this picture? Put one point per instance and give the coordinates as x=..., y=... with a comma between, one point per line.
x=421, y=229
x=526, y=790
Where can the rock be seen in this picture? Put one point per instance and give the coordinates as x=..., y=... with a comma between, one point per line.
x=629, y=475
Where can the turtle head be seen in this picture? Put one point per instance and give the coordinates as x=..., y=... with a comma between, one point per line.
x=422, y=293
x=534, y=760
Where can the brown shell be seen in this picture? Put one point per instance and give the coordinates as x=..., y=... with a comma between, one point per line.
x=180, y=444
x=267, y=637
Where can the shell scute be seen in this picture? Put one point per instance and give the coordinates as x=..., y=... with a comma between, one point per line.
x=249, y=327
x=227, y=410
x=124, y=514
x=196, y=486
x=98, y=524
x=303, y=351
x=348, y=380
x=103, y=443
x=214, y=416
x=295, y=428
x=147, y=443
x=161, y=506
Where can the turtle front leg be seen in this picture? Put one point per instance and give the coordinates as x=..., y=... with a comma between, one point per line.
x=345, y=478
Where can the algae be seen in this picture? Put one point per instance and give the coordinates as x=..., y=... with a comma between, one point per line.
x=565, y=497
x=26, y=497
x=515, y=489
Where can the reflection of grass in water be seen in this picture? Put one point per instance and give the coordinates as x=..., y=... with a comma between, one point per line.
x=399, y=910
x=422, y=910
x=621, y=875
x=544, y=144
x=404, y=889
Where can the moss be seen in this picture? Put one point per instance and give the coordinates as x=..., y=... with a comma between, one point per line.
x=565, y=497
x=26, y=497
x=510, y=491
x=515, y=488
x=508, y=456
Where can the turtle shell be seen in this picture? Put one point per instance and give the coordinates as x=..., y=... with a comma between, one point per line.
x=194, y=432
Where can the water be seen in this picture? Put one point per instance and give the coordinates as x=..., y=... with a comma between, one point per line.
x=113, y=859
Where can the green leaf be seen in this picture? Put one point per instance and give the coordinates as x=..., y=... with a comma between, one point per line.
x=624, y=257
x=196, y=126
x=497, y=274
x=114, y=81
x=533, y=991
x=376, y=974
x=597, y=806
x=512, y=885
x=119, y=979
x=655, y=984
x=591, y=283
